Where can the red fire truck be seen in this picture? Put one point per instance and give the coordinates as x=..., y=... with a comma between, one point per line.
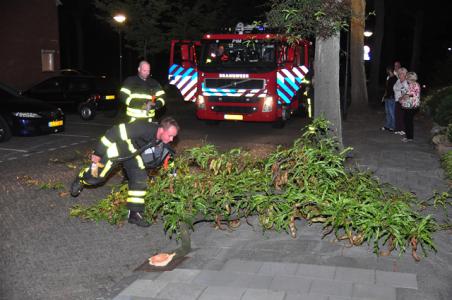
x=248, y=75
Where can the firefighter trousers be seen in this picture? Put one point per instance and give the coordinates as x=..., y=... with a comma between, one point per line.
x=97, y=175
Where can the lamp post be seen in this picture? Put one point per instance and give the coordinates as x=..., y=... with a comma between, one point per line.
x=120, y=18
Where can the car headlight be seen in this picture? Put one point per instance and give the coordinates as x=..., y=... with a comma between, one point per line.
x=201, y=102
x=26, y=115
x=268, y=104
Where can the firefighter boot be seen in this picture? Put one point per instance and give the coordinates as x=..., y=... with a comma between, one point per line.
x=136, y=218
x=76, y=187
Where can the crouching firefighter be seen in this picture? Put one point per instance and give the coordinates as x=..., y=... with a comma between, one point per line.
x=138, y=146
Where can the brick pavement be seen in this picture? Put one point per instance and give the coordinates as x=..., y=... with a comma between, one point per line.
x=45, y=254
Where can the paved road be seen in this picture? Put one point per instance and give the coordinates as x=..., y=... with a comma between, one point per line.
x=76, y=132
x=45, y=254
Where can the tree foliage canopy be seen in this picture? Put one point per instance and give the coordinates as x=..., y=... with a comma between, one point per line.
x=151, y=24
x=301, y=19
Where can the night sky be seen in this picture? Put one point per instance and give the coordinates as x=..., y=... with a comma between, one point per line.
x=100, y=49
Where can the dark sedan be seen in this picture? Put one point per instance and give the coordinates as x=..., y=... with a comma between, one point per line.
x=20, y=115
x=84, y=94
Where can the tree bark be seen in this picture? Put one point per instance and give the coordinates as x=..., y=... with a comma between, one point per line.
x=326, y=83
x=374, y=95
x=418, y=27
x=358, y=75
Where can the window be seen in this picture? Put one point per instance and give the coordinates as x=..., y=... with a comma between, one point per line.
x=79, y=85
x=48, y=60
x=53, y=85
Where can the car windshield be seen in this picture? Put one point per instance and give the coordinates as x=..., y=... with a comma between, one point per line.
x=238, y=54
x=7, y=90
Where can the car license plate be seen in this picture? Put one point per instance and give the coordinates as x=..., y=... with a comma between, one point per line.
x=56, y=123
x=233, y=117
x=110, y=97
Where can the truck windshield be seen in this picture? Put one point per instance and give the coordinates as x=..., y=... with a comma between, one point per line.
x=238, y=55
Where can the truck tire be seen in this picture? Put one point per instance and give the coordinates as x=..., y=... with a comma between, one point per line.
x=279, y=124
x=212, y=122
x=5, y=131
x=86, y=111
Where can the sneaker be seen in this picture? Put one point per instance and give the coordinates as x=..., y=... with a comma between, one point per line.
x=399, y=132
x=405, y=140
x=384, y=128
x=137, y=219
x=76, y=187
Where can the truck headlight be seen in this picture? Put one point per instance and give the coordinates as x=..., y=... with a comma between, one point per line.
x=201, y=102
x=27, y=115
x=268, y=104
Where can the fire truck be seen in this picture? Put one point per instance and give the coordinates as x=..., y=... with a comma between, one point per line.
x=246, y=75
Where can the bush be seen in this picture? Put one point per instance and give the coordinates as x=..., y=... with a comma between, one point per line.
x=449, y=132
x=306, y=181
x=446, y=161
x=439, y=104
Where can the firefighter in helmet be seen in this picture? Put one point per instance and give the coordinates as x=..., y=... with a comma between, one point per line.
x=141, y=94
x=138, y=146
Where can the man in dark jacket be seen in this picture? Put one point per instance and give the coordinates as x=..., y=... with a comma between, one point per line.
x=139, y=145
x=141, y=94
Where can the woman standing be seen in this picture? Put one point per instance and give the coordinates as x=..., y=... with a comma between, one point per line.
x=410, y=102
x=400, y=89
x=388, y=99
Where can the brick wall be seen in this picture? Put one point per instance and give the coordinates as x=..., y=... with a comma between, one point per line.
x=26, y=28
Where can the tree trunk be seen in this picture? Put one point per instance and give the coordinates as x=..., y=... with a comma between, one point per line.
x=374, y=92
x=358, y=74
x=80, y=45
x=326, y=83
x=418, y=27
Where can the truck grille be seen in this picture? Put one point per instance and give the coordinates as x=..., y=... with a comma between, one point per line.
x=239, y=83
x=235, y=109
x=226, y=99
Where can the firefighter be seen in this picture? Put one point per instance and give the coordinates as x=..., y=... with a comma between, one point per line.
x=141, y=94
x=138, y=145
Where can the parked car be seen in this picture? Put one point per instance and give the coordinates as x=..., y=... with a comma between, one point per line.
x=72, y=72
x=84, y=94
x=21, y=115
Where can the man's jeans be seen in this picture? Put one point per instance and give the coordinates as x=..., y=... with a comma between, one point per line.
x=390, y=113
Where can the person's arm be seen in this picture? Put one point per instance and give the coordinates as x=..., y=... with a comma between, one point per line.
x=125, y=91
x=397, y=90
x=159, y=97
x=113, y=135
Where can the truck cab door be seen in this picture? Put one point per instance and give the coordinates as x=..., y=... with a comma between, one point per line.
x=183, y=67
x=184, y=53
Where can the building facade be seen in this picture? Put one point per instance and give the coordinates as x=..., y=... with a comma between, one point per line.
x=29, y=41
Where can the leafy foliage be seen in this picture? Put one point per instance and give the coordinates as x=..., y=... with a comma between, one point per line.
x=446, y=161
x=307, y=180
x=302, y=19
x=142, y=29
x=439, y=103
x=151, y=24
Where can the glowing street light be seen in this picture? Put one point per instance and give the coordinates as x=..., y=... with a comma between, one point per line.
x=120, y=19
x=368, y=33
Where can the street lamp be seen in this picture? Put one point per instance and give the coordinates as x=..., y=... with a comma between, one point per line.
x=368, y=33
x=120, y=18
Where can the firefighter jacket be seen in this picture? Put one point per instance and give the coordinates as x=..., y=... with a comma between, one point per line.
x=141, y=97
x=123, y=140
x=135, y=145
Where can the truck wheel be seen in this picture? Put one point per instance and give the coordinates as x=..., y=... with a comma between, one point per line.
x=86, y=112
x=279, y=124
x=5, y=131
x=212, y=122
